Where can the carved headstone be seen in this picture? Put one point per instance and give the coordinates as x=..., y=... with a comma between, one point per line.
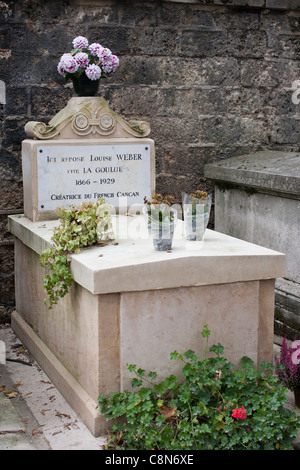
x=86, y=151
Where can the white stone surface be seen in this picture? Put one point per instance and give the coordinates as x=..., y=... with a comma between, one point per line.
x=130, y=262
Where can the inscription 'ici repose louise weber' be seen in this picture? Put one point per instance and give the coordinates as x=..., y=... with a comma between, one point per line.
x=68, y=174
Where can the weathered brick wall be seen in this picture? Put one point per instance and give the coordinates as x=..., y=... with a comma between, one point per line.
x=213, y=78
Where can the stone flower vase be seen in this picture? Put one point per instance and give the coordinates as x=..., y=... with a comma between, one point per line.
x=196, y=217
x=83, y=86
x=161, y=226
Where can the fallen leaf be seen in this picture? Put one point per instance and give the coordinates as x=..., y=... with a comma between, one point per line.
x=2, y=387
x=167, y=411
x=17, y=384
x=60, y=415
x=11, y=393
x=43, y=411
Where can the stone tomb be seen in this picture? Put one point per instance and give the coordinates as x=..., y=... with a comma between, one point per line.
x=257, y=199
x=132, y=304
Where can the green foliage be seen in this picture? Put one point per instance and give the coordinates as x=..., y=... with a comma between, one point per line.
x=212, y=407
x=80, y=226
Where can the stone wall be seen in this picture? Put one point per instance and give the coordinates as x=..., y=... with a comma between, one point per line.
x=214, y=78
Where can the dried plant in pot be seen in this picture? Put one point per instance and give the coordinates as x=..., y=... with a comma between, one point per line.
x=196, y=210
x=161, y=220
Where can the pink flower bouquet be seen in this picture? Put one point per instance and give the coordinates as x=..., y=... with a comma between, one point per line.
x=94, y=60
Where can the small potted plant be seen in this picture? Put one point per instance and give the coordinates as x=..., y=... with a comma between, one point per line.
x=85, y=64
x=161, y=221
x=287, y=368
x=196, y=210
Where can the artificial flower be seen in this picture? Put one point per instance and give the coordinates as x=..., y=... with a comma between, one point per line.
x=82, y=59
x=80, y=42
x=93, y=72
x=95, y=48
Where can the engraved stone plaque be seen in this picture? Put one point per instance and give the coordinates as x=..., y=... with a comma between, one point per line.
x=63, y=172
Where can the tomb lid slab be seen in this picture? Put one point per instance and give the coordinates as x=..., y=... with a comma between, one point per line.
x=266, y=171
x=131, y=263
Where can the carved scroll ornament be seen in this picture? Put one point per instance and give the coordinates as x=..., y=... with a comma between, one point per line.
x=87, y=117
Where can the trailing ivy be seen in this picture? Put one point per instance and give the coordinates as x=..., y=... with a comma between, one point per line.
x=82, y=225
